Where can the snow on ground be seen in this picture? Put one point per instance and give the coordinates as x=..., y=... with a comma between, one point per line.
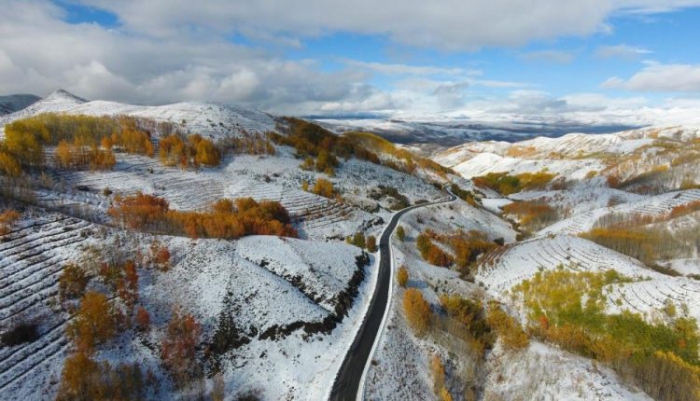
x=252, y=278
x=401, y=363
x=458, y=215
x=266, y=282
x=543, y=372
x=495, y=205
x=657, y=205
x=485, y=163
x=32, y=257
x=579, y=200
x=686, y=267
x=275, y=178
x=501, y=271
x=647, y=295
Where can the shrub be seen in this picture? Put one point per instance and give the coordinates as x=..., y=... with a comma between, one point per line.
x=430, y=252
x=400, y=233
x=532, y=215
x=417, y=310
x=22, y=332
x=72, y=282
x=324, y=187
x=402, y=276
x=359, y=240
x=508, y=329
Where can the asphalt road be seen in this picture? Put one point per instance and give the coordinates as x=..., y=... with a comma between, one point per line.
x=346, y=385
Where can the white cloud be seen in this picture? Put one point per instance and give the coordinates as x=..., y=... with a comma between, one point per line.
x=164, y=51
x=653, y=6
x=405, y=69
x=660, y=78
x=40, y=53
x=555, y=56
x=447, y=24
x=621, y=51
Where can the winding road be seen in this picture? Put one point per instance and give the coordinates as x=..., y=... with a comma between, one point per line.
x=348, y=384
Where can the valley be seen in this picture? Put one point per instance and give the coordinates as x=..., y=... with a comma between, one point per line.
x=200, y=251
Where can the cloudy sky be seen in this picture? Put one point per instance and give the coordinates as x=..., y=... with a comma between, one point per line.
x=325, y=57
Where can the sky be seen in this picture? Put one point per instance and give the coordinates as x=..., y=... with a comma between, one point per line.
x=341, y=58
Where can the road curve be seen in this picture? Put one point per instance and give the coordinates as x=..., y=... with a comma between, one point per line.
x=347, y=383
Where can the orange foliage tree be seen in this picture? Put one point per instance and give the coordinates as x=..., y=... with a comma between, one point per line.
x=7, y=219
x=139, y=211
x=95, y=322
x=195, y=151
x=402, y=276
x=178, y=350
x=417, y=310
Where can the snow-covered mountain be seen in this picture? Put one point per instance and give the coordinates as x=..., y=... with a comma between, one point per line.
x=204, y=118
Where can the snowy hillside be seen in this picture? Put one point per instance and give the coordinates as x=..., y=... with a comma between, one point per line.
x=207, y=119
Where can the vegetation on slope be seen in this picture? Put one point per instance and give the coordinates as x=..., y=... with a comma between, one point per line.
x=464, y=248
x=226, y=218
x=506, y=184
x=87, y=141
x=568, y=308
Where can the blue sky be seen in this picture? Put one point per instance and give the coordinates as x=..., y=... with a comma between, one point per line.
x=329, y=57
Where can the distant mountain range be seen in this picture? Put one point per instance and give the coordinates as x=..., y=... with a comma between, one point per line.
x=429, y=136
x=13, y=103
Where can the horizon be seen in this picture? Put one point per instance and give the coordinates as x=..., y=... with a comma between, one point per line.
x=605, y=62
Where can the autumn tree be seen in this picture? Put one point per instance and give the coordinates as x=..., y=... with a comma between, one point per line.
x=205, y=152
x=359, y=240
x=437, y=370
x=72, y=282
x=143, y=319
x=9, y=166
x=178, y=349
x=127, y=287
x=64, y=155
x=95, y=322
x=159, y=256
x=7, y=220
x=400, y=233
x=371, y=243
x=80, y=374
x=402, y=276
x=417, y=310
x=83, y=378
x=140, y=210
